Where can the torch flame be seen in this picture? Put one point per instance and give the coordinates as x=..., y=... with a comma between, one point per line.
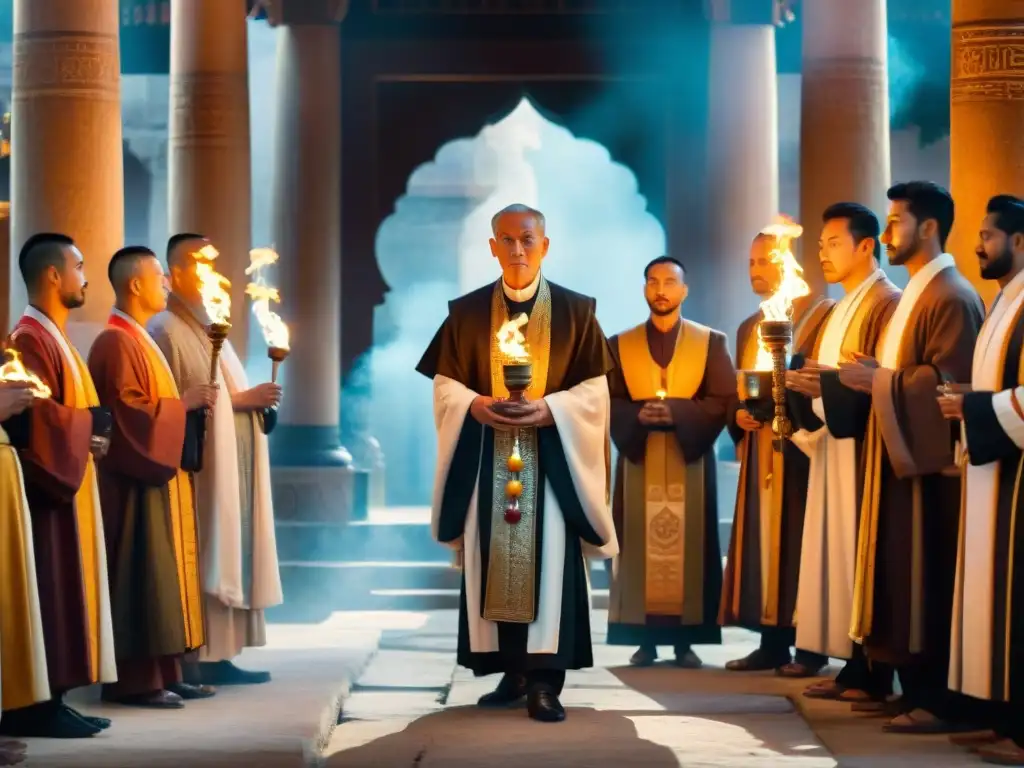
x=14, y=370
x=275, y=332
x=213, y=287
x=779, y=306
x=511, y=341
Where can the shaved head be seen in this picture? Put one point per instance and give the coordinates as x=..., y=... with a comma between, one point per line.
x=39, y=253
x=125, y=265
x=183, y=245
x=518, y=209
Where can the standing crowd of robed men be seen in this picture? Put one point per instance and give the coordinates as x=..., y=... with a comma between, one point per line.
x=882, y=533
x=137, y=542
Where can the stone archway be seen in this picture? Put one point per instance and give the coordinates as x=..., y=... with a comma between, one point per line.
x=434, y=248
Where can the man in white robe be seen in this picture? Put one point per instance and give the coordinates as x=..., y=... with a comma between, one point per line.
x=985, y=660
x=832, y=435
x=522, y=491
x=238, y=548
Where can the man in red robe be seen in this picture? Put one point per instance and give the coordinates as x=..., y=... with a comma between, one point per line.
x=57, y=440
x=148, y=509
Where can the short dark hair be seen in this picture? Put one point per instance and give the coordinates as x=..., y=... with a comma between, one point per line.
x=40, y=252
x=175, y=240
x=860, y=221
x=521, y=209
x=123, y=263
x=926, y=200
x=664, y=260
x=1008, y=213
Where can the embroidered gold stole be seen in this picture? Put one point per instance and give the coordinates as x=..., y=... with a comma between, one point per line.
x=664, y=496
x=512, y=559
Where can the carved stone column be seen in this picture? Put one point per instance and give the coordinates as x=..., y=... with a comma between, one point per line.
x=844, y=116
x=208, y=162
x=5, y=270
x=307, y=453
x=743, y=152
x=66, y=166
x=986, y=120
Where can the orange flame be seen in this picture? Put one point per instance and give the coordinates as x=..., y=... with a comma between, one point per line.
x=213, y=287
x=779, y=306
x=511, y=342
x=275, y=332
x=14, y=370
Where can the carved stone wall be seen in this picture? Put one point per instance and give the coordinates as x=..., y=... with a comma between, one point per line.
x=844, y=116
x=209, y=143
x=986, y=119
x=66, y=172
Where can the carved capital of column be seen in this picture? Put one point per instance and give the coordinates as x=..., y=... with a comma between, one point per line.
x=295, y=12
x=988, y=62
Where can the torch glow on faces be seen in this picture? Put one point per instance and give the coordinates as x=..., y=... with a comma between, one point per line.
x=14, y=371
x=275, y=332
x=214, y=291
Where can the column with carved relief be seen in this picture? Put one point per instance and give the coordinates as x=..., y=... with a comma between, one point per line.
x=986, y=120
x=66, y=159
x=307, y=453
x=208, y=156
x=844, y=115
x=743, y=148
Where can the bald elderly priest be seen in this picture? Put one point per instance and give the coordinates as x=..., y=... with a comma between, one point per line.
x=525, y=605
x=671, y=390
x=148, y=509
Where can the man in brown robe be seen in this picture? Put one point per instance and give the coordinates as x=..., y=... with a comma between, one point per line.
x=148, y=511
x=910, y=513
x=833, y=425
x=56, y=440
x=986, y=660
x=238, y=550
x=672, y=387
x=760, y=585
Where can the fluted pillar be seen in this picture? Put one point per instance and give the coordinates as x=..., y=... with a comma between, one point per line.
x=66, y=165
x=208, y=158
x=986, y=143
x=311, y=469
x=743, y=153
x=844, y=115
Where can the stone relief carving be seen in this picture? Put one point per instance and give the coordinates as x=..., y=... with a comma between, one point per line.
x=204, y=108
x=988, y=63
x=67, y=64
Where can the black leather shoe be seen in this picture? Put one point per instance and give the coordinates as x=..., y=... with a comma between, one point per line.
x=544, y=707
x=225, y=673
x=46, y=721
x=510, y=690
x=644, y=656
x=98, y=722
x=687, y=659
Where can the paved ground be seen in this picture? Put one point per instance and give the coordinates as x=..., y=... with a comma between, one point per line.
x=412, y=707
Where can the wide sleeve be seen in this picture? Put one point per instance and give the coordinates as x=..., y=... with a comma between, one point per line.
x=742, y=333
x=994, y=425
x=698, y=422
x=918, y=439
x=628, y=434
x=846, y=410
x=148, y=436
x=459, y=447
x=591, y=357
x=800, y=408
x=442, y=357
x=53, y=440
x=581, y=416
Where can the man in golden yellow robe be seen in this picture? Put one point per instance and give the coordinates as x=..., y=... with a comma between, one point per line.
x=671, y=389
x=23, y=680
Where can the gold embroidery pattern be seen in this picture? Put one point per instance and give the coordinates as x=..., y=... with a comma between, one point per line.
x=511, y=563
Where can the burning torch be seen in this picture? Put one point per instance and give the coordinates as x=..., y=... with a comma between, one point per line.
x=214, y=290
x=763, y=390
x=275, y=332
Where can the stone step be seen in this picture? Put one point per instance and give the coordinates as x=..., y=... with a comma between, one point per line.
x=379, y=540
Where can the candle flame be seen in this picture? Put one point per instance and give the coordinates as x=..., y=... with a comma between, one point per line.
x=661, y=394
x=275, y=332
x=779, y=306
x=213, y=287
x=14, y=370
x=511, y=341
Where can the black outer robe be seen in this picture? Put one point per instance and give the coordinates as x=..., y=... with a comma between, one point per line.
x=460, y=350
